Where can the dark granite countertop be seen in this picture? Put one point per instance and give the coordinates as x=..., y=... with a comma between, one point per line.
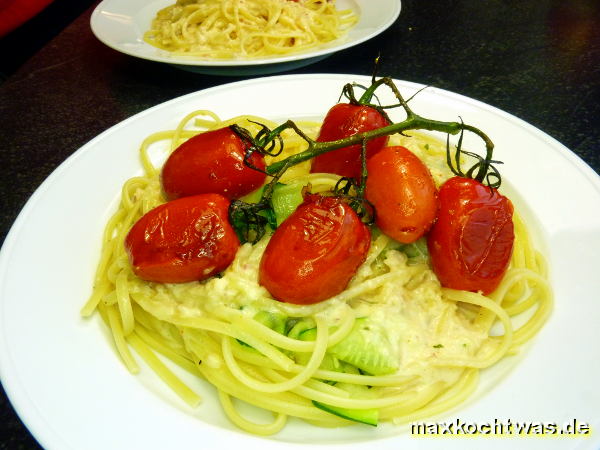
x=538, y=60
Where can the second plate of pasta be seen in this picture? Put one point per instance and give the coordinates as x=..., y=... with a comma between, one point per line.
x=236, y=37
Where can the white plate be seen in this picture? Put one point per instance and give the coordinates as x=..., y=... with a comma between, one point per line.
x=69, y=387
x=121, y=24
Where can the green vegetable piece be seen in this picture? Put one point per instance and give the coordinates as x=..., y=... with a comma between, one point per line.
x=239, y=219
x=301, y=326
x=254, y=196
x=329, y=362
x=274, y=321
x=308, y=335
x=366, y=347
x=285, y=200
x=417, y=251
x=366, y=416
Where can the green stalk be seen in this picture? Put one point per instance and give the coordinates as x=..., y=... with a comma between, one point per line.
x=413, y=122
x=249, y=219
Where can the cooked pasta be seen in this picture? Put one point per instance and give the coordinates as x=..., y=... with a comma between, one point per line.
x=245, y=29
x=431, y=342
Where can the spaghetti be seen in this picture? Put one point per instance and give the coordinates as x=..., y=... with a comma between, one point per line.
x=245, y=29
x=431, y=342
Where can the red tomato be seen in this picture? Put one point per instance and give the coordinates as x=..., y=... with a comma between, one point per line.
x=212, y=162
x=344, y=120
x=401, y=189
x=315, y=252
x=471, y=243
x=183, y=240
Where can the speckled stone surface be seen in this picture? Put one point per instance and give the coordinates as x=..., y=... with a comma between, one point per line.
x=538, y=60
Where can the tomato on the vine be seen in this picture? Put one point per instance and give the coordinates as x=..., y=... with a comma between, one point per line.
x=471, y=242
x=315, y=252
x=344, y=120
x=212, y=162
x=401, y=189
x=188, y=239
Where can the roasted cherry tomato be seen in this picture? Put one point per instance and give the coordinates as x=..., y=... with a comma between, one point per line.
x=401, y=189
x=472, y=241
x=344, y=120
x=183, y=240
x=212, y=162
x=315, y=252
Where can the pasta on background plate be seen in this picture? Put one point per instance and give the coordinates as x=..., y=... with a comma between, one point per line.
x=246, y=29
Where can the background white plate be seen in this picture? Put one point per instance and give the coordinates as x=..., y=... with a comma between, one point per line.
x=121, y=24
x=69, y=387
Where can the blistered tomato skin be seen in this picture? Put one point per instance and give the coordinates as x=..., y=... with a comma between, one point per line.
x=344, y=120
x=404, y=195
x=315, y=252
x=212, y=162
x=188, y=239
x=472, y=241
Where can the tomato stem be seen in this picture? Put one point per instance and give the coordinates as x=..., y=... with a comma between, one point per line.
x=250, y=218
x=481, y=171
x=414, y=122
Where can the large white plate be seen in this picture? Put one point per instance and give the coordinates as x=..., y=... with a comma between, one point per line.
x=121, y=24
x=69, y=387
